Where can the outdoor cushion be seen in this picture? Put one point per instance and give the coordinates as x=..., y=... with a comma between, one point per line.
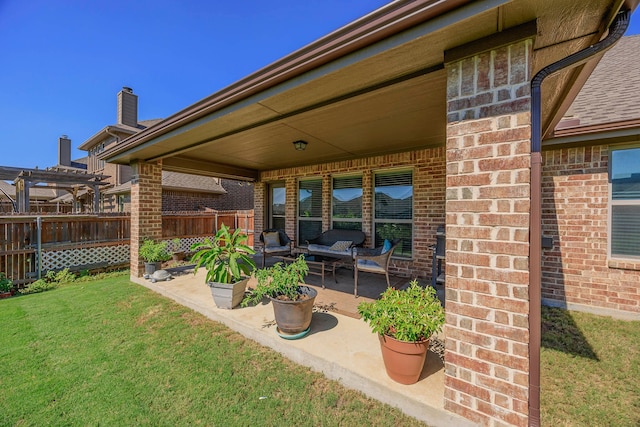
x=341, y=245
x=370, y=266
x=324, y=250
x=271, y=239
x=274, y=249
x=386, y=246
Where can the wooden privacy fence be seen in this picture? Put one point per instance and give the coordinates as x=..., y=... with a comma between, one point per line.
x=32, y=245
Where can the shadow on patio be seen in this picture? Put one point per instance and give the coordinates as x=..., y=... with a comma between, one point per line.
x=340, y=345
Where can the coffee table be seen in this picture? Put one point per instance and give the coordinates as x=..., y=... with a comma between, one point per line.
x=318, y=265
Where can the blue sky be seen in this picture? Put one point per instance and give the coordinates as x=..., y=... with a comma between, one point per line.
x=64, y=61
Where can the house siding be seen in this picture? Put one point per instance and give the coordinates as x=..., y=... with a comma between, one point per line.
x=577, y=270
x=428, y=167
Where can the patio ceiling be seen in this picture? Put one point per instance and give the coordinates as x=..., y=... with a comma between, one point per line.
x=386, y=96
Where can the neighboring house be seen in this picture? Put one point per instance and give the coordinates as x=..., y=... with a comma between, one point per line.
x=180, y=191
x=425, y=113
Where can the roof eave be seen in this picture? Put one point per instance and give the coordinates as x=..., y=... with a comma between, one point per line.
x=379, y=24
x=101, y=134
x=605, y=133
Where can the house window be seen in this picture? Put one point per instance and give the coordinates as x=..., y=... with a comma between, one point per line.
x=347, y=203
x=393, y=210
x=625, y=203
x=277, y=201
x=309, y=210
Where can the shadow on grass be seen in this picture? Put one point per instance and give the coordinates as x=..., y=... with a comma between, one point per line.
x=560, y=332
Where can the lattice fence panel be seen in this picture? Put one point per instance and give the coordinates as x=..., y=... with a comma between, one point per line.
x=70, y=258
x=186, y=242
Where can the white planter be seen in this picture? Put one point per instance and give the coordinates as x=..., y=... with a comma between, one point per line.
x=227, y=295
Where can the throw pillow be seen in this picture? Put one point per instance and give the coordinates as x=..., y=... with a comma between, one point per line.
x=271, y=239
x=341, y=245
x=386, y=246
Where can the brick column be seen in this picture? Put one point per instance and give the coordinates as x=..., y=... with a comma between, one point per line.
x=146, y=209
x=487, y=226
x=367, y=206
x=291, y=208
x=327, y=204
x=260, y=210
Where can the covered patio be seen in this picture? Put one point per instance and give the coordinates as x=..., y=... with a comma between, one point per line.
x=339, y=345
x=438, y=98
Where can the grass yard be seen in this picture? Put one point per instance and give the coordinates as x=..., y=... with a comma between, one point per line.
x=590, y=370
x=110, y=352
x=113, y=353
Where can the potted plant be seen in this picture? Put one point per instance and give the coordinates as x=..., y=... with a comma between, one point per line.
x=292, y=302
x=153, y=253
x=404, y=320
x=176, y=249
x=6, y=286
x=227, y=258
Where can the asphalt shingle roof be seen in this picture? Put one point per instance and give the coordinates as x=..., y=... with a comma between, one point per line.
x=179, y=181
x=612, y=92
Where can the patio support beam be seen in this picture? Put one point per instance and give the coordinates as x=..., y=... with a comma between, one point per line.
x=487, y=228
x=146, y=209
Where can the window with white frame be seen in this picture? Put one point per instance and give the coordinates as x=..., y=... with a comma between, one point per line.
x=346, y=200
x=393, y=210
x=309, y=209
x=624, y=173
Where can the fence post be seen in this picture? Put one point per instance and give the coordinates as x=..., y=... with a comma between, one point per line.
x=39, y=248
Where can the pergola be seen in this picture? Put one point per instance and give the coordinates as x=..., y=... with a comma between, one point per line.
x=64, y=179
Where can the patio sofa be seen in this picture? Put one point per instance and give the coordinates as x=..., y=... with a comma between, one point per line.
x=336, y=243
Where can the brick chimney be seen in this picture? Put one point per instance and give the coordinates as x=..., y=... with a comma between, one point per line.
x=64, y=151
x=127, y=107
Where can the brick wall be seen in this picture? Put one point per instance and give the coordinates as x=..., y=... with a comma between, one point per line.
x=487, y=277
x=428, y=205
x=146, y=206
x=176, y=201
x=575, y=191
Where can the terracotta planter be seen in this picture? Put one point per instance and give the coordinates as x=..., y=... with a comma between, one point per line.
x=228, y=295
x=294, y=317
x=403, y=360
x=178, y=256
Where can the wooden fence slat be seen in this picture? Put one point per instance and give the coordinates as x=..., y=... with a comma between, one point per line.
x=18, y=234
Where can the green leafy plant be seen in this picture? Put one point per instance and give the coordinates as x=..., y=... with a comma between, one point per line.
x=5, y=283
x=62, y=276
x=226, y=257
x=51, y=280
x=40, y=285
x=175, y=245
x=409, y=315
x=279, y=281
x=152, y=251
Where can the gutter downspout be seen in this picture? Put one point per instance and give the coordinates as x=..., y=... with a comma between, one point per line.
x=616, y=31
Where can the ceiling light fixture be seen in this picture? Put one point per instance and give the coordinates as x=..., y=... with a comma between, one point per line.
x=300, y=145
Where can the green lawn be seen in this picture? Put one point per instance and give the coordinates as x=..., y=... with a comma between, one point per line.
x=110, y=352
x=113, y=353
x=590, y=370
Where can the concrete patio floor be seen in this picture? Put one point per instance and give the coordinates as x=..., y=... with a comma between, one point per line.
x=339, y=345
